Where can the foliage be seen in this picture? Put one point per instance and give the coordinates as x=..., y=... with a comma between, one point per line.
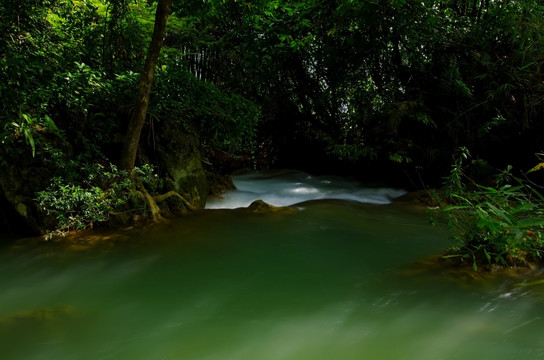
x=99, y=193
x=501, y=224
x=221, y=120
x=399, y=81
x=375, y=85
x=42, y=63
x=70, y=69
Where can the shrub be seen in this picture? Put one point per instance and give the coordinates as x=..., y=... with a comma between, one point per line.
x=501, y=224
x=92, y=200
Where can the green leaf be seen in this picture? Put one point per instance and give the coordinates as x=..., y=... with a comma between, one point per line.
x=28, y=119
x=527, y=66
x=488, y=189
x=50, y=125
x=537, y=193
x=30, y=139
x=529, y=222
x=487, y=256
x=524, y=207
x=456, y=207
x=500, y=213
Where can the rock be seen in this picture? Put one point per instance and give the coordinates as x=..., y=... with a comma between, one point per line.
x=219, y=184
x=39, y=315
x=427, y=198
x=19, y=183
x=259, y=207
x=178, y=156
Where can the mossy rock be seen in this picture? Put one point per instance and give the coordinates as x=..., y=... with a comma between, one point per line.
x=179, y=157
x=259, y=207
x=220, y=184
x=18, y=186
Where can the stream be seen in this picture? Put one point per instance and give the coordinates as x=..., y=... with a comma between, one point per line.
x=335, y=276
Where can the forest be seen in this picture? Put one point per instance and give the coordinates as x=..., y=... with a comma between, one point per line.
x=415, y=94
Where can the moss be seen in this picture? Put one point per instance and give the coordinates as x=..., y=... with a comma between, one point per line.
x=179, y=158
x=18, y=186
x=219, y=184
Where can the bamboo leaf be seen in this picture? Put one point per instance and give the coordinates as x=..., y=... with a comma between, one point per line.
x=456, y=207
x=530, y=222
x=527, y=65
x=30, y=139
x=487, y=256
x=536, y=168
x=500, y=213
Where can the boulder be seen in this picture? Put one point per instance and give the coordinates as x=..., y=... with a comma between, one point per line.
x=260, y=207
x=18, y=186
x=219, y=184
x=178, y=156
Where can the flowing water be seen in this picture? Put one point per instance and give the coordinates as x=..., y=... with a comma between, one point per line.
x=284, y=188
x=329, y=279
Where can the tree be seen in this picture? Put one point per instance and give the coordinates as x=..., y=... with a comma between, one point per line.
x=137, y=120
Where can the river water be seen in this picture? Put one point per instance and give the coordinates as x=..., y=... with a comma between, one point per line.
x=328, y=279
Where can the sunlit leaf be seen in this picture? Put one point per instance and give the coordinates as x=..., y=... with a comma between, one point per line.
x=538, y=167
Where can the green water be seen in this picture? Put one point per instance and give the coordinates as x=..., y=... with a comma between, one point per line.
x=330, y=281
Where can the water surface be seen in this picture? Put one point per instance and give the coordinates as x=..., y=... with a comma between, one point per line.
x=331, y=280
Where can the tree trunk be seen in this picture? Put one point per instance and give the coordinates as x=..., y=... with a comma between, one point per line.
x=137, y=120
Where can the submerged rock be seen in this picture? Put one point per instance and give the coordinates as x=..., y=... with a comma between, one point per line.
x=39, y=315
x=462, y=271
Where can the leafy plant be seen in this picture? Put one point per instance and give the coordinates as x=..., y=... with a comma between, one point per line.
x=26, y=127
x=221, y=119
x=501, y=224
x=91, y=201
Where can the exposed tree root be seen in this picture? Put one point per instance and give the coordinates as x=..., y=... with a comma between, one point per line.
x=160, y=198
x=152, y=201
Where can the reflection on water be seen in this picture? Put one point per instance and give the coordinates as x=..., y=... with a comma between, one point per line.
x=326, y=282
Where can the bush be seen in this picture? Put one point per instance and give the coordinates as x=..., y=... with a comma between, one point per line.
x=220, y=119
x=501, y=224
x=92, y=200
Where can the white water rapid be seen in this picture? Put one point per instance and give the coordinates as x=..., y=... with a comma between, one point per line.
x=289, y=187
